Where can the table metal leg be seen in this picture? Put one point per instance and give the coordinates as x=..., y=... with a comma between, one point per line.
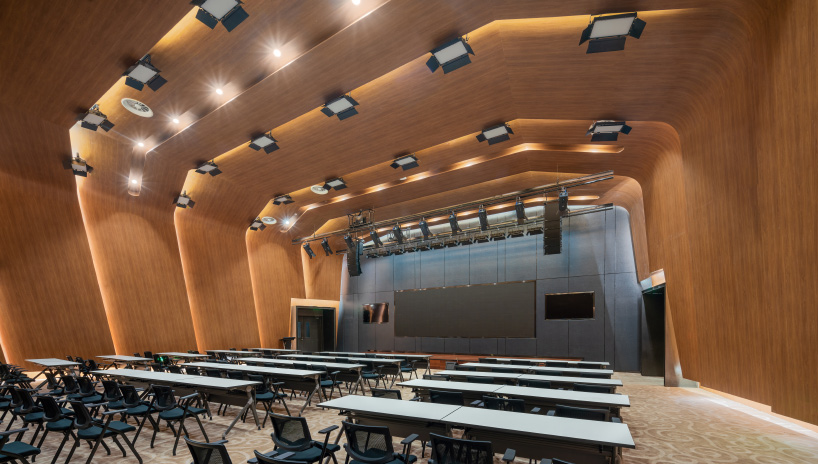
x=251, y=403
x=43, y=382
x=309, y=398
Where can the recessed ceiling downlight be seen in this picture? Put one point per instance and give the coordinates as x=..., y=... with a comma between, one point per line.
x=137, y=107
x=319, y=189
x=268, y=220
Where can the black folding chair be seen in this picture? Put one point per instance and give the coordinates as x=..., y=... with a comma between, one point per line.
x=584, y=387
x=372, y=372
x=385, y=393
x=23, y=406
x=111, y=395
x=446, y=397
x=135, y=407
x=505, y=404
x=267, y=396
x=446, y=450
x=574, y=412
x=487, y=360
x=90, y=429
x=472, y=379
x=370, y=444
x=208, y=453
x=535, y=383
x=56, y=420
x=594, y=375
x=16, y=451
x=520, y=362
x=328, y=380
x=164, y=402
x=292, y=434
x=87, y=392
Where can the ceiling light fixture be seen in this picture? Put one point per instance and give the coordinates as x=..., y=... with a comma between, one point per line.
x=451, y=55
x=336, y=184
x=257, y=224
x=220, y=91
x=269, y=220
x=319, y=190
x=495, y=134
x=453, y=223
x=607, y=130
x=405, y=162
x=325, y=246
x=356, y=2
x=94, y=119
x=277, y=53
x=78, y=166
x=373, y=234
x=424, y=229
x=607, y=33
x=282, y=200
x=309, y=251
x=397, y=234
x=141, y=144
x=228, y=12
x=175, y=121
x=184, y=201
x=343, y=107
x=519, y=209
x=144, y=73
x=265, y=141
x=209, y=167
x=563, y=200
x=483, y=217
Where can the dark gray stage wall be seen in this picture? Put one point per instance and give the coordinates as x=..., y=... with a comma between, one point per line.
x=597, y=255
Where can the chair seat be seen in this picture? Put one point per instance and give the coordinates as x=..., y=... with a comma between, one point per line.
x=116, y=405
x=406, y=369
x=172, y=414
x=329, y=383
x=269, y=396
x=331, y=447
x=19, y=448
x=59, y=426
x=137, y=410
x=121, y=427
x=399, y=459
x=370, y=376
x=33, y=417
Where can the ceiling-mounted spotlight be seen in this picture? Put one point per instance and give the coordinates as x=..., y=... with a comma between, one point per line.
x=257, y=224
x=94, y=118
x=481, y=237
x=373, y=234
x=607, y=130
x=519, y=209
x=465, y=240
x=398, y=251
x=349, y=241
x=498, y=235
x=228, y=12
x=343, y=107
x=184, y=201
x=208, y=168
x=78, y=166
x=451, y=55
x=144, y=73
x=483, y=217
x=398, y=234
x=563, y=200
x=534, y=229
x=265, y=141
x=372, y=254
x=516, y=232
x=405, y=162
x=450, y=242
x=424, y=229
x=607, y=33
x=309, y=251
x=268, y=220
x=495, y=134
x=336, y=184
x=282, y=200
x=453, y=223
x=325, y=246
x=436, y=245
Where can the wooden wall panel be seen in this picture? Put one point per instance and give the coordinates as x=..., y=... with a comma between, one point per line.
x=135, y=250
x=50, y=302
x=322, y=274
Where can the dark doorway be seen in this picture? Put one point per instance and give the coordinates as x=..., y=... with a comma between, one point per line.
x=653, y=331
x=315, y=328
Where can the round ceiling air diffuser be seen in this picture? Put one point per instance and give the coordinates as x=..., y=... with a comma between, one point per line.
x=319, y=189
x=137, y=107
x=268, y=220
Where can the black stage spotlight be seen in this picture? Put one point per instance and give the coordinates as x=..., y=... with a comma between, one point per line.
x=450, y=242
x=534, y=229
x=484, y=219
x=228, y=12
x=516, y=232
x=383, y=252
x=336, y=184
x=398, y=234
x=375, y=239
x=398, y=251
x=481, y=237
x=184, y=201
x=144, y=73
x=257, y=224
x=208, y=168
x=282, y=200
x=405, y=162
x=495, y=134
x=424, y=229
x=349, y=241
x=372, y=254
x=325, y=246
x=78, y=166
x=563, y=200
x=436, y=245
x=423, y=246
x=451, y=55
x=607, y=131
x=453, y=223
x=519, y=208
x=607, y=33
x=94, y=119
x=265, y=141
x=465, y=240
x=309, y=251
x=498, y=235
x=343, y=107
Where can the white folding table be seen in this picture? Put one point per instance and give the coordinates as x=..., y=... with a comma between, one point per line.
x=349, y=372
x=534, y=369
x=129, y=361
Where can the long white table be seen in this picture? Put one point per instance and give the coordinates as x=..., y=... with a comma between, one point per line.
x=209, y=388
x=129, y=361
x=179, y=355
x=410, y=357
x=393, y=368
x=514, y=378
x=53, y=365
x=345, y=369
x=546, y=362
x=531, y=435
x=292, y=378
x=534, y=369
x=276, y=351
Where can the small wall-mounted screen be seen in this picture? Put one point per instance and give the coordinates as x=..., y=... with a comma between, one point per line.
x=578, y=305
x=376, y=313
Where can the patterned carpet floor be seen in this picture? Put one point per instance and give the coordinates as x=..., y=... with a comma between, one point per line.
x=669, y=425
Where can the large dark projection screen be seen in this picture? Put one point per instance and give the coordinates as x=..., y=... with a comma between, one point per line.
x=493, y=310
x=579, y=305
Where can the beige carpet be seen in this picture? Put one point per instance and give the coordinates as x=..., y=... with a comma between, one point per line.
x=669, y=425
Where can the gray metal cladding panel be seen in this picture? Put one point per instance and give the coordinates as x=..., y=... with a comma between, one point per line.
x=586, y=245
x=625, y=261
x=456, y=264
x=627, y=326
x=366, y=332
x=431, y=345
x=456, y=345
x=483, y=346
x=385, y=333
x=610, y=240
x=384, y=276
x=521, y=258
x=367, y=279
x=554, y=266
x=482, y=263
x=432, y=270
x=404, y=271
x=610, y=320
x=521, y=346
x=586, y=337
x=552, y=336
x=408, y=344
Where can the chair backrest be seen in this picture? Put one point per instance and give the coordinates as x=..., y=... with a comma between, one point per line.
x=556, y=364
x=26, y=401
x=386, y=393
x=504, y=370
x=130, y=398
x=51, y=410
x=451, y=365
x=584, y=387
x=111, y=391
x=480, y=379
x=157, y=367
x=163, y=397
x=594, y=375
x=82, y=419
x=69, y=357
x=504, y=404
x=447, y=450
x=435, y=377
x=235, y=375
x=86, y=386
x=520, y=362
x=446, y=397
x=173, y=369
x=213, y=372
x=290, y=433
x=582, y=413
x=70, y=383
x=208, y=453
x=149, y=354
x=552, y=373
x=92, y=365
x=487, y=360
x=370, y=444
x=262, y=386
x=137, y=355
x=301, y=366
x=535, y=383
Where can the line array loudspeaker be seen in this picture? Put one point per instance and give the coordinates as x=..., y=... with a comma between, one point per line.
x=552, y=229
x=354, y=258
